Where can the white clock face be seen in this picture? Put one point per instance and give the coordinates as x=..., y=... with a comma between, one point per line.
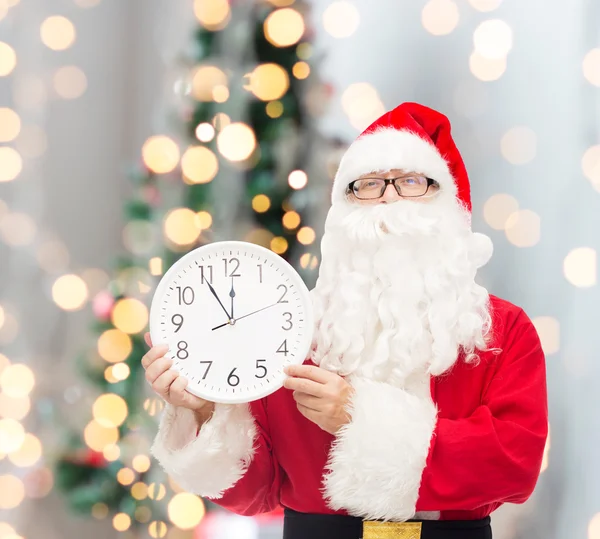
x=234, y=315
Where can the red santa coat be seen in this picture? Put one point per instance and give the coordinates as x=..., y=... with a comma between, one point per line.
x=474, y=443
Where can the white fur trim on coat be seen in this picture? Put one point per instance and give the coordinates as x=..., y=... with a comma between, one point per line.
x=377, y=460
x=213, y=461
x=386, y=149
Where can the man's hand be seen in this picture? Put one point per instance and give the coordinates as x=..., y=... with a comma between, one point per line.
x=321, y=395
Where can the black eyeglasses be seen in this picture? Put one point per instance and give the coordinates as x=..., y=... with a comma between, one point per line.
x=406, y=186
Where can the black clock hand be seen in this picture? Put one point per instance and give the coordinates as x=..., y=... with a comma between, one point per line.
x=232, y=295
x=246, y=315
x=217, y=297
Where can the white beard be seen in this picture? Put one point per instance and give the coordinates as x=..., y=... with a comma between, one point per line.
x=396, y=296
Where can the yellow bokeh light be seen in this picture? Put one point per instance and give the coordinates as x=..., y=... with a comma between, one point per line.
x=157, y=529
x=153, y=406
x=548, y=329
x=110, y=410
x=236, y=141
x=174, y=486
x=17, y=380
x=2, y=318
x=591, y=166
x=268, y=82
x=440, y=17
x=98, y=437
x=498, y=208
x=139, y=491
x=297, y=179
x=291, y=220
x=114, y=346
x=220, y=121
x=121, y=522
x=279, y=245
x=362, y=104
x=204, y=220
x=259, y=236
x=282, y=3
x=70, y=292
x=594, y=527
x=204, y=81
x=12, y=491
x=220, y=94
x=493, y=39
x=261, y=203
x=12, y=435
x=186, y=510
x=17, y=229
x=95, y=279
x=121, y=371
x=308, y=260
x=14, y=407
x=486, y=69
x=180, y=226
x=141, y=463
x=57, y=33
x=519, y=145
x=109, y=376
x=523, y=228
x=304, y=51
x=111, y=452
x=11, y=164
x=205, y=132
x=53, y=256
x=160, y=154
x=28, y=453
x=306, y=235
x=591, y=67
x=301, y=70
x=284, y=27
x=341, y=19
x=212, y=14
x=130, y=315
x=8, y=59
x=10, y=124
x=4, y=361
x=99, y=510
x=580, y=267
x=156, y=491
x=274, y=109
x=485, y=5
x=155, y=266
x=125, y=476
x=143, y=514
x=70, y=82
x=6, y=530
x=199, y=164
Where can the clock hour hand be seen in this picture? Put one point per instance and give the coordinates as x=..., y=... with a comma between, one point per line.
x=217, y=298
x=246, y=315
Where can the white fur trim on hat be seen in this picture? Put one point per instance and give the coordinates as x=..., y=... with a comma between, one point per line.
x=386, y=149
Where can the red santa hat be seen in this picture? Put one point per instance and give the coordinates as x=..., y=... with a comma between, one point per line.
x=410, y=137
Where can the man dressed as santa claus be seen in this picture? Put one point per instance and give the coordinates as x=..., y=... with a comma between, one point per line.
x=423, y=407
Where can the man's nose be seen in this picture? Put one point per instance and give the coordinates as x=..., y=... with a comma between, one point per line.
x=389, y=195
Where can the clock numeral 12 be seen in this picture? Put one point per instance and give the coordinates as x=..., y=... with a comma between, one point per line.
x=186, y=295
x=234, y=262
x=210, y=274
x=261, y=367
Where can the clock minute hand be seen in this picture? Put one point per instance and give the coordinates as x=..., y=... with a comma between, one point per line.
x=217, y=298
x=246, y=315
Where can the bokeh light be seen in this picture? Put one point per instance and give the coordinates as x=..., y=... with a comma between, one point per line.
x=301, y=70
x=2, y=318
x=304, y=51
x=32, y=141
x=153, y=406
x=70, y=82
x=523, y=228
x=594, y=527
x=220, y=121
x=100, y=510
x=485, y=5
x=580, y=267
x=53, y=256
x=29, y=452
x=308, y=260
x=180, y=226
x=57, y=33
x=268, y=81
x=125, y=476
x=98, y=437
x=12, y=491
x=261, y=203
x=284, y=27
x=17, y=380
x=110, y=410
x=157, y=529
x=498, y=208
x=204, y=81
x=274, y=109
x=362, y=104
x=341, y=19
x=279, y=245
x=519, y=145
x=591, y=166
x=205, y=132
x=160, y=154
x=306, y=235
x=95, y=279
x=12, y=435
x=111, y=452
x=213, y=15
x=121, y=371
x=548, y=329
x=139, y=490
x=204, y=220
x=236, y=141
x=121, y=522
x=486, y=69
x=155, y=266
x=186, y=510
x=291, y=220
x=8, y=59
x=141, y=463
x=10, y=124
x=17, y=229
x=440, y=17
x=591, y=67
x=130, y=315
x=220, y=93
x=156, y=491
x=70, y=292
x=11, y=164
x=493, y=39
x=14, y=407
x=114, y=345
x=199, y=164
x=297, y=179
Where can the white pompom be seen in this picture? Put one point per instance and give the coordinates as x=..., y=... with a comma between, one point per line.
x=481, y=249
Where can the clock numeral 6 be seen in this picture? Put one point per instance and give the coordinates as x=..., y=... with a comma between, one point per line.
x=182, y=351
x=261, y=367
x=283, y=349
x=235, y=263
x=233, y=379
x=288, y=323
x=186, y=295
x=177, y=320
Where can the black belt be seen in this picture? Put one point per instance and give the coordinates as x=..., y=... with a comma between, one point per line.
x=312, y=526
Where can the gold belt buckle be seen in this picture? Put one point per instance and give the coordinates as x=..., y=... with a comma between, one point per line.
x=391, y=530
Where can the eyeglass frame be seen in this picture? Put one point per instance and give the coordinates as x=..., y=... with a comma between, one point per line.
x=388, y=181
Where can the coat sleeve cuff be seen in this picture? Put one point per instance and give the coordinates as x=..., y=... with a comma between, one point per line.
x=377, y=460
x=214, y=459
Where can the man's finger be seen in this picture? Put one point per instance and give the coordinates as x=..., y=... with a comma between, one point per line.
x=304, y=386
x=308, y=401
x=177, y=390
x=148, y=339
x=308, y=413
x=312, y=372
x=153, y=354
x=157, y=368
x=162, y=384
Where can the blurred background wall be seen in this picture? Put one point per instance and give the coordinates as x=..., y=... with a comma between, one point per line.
x=520, y=82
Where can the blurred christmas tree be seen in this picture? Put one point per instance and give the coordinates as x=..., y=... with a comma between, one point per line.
x=246, y=138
